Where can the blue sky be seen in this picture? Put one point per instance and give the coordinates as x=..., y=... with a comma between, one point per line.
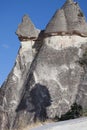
x=11, y=12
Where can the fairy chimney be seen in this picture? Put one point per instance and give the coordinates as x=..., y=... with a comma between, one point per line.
x=69, y=20
x=26, y=30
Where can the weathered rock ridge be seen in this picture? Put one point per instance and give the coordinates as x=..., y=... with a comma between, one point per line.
x=48, y=76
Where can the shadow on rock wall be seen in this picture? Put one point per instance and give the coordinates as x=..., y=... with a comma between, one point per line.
x=37, y=100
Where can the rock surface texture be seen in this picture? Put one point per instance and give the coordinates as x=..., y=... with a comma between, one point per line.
x=68, y=20
x=26, y=30
x=48, y=76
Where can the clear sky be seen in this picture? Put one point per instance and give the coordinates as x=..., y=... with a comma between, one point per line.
x=11, y=12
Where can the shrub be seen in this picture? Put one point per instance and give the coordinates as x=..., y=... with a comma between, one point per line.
x=74, y=112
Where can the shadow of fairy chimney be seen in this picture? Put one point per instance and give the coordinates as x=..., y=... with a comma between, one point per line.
x=37, y=100
x=41, y=99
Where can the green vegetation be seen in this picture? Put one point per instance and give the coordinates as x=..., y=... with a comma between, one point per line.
x=74, y=112
x=84, y=113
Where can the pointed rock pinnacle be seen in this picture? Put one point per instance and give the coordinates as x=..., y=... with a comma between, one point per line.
x=69, y=20
x=26, y=29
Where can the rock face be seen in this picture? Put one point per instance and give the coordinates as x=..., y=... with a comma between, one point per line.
x=69, y=19
x=13, y=86
x=26, y=30
x=48, y=77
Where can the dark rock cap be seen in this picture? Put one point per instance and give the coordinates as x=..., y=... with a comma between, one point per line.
x=27, y=30
x=68, y=19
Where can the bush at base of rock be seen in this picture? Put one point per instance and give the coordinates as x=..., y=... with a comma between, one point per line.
x=74, y=112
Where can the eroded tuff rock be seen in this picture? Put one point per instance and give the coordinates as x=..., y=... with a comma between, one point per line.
x=47, y=78
x=68, y=20
x=13, y=86
x=12, y=89
x=57, y=70
x=26, y=30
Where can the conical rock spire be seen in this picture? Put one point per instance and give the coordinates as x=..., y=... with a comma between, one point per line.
x=69, y=1
x=68, y=19
x=27, y=29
